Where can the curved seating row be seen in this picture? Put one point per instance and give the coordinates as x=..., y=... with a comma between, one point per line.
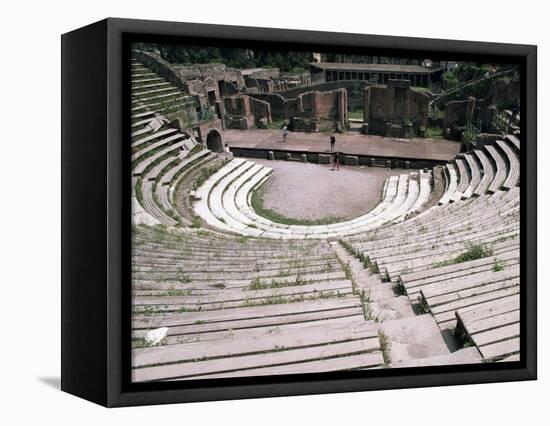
x=160, y=154
x=224, y=202
x=150, y=92
x=234, y=306
x=483, y=170
x=459, y=261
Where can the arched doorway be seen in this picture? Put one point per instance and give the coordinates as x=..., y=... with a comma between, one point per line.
x=214, y=141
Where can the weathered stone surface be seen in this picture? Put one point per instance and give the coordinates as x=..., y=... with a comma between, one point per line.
x=351, y=160
x=324, y=158
x=395, y=110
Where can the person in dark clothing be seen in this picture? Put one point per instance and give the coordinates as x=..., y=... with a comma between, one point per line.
x=332, y=143
x=336, y=161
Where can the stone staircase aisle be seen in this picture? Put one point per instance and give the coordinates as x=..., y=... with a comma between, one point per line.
x=408, y=338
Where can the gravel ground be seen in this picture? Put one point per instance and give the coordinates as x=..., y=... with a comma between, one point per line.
x=313, y=192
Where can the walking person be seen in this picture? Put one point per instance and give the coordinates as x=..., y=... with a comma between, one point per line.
x=332, y=143
x=284, y=131
x=335, y=161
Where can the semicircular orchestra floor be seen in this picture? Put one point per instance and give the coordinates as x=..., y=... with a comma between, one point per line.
x=314, y=192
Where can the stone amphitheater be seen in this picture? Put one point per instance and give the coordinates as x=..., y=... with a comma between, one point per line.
x=221, y=291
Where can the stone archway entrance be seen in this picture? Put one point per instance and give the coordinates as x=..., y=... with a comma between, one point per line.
x=214, y=141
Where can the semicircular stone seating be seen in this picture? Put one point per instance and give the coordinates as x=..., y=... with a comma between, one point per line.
x=224, y=203
x=237, y=300
x=459, y=260
x=161, y=155
x=241, y=307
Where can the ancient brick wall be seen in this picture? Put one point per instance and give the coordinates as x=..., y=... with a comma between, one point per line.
x=317, y=106
x=237, y=105
x=242, y=112
x=455, y=113
x=261, y=110
x=395, y=106
x=354, y=90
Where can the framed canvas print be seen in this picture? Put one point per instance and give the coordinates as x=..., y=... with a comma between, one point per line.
x=252, y=212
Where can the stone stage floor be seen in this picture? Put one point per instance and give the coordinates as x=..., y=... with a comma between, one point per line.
x=351, y=143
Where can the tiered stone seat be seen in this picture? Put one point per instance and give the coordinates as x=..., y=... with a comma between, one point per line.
x=445, y=298
x=158, y=152
x=239, y=300
x=493, y=327
x=167, y=138
x=423, y=196
x=446, y=231
x=463, y=179
x=150, y=205
x=513, y=161
x=501, y=170
x=514, y=140
x=164, y=188
x=451, y=183
x=475, y=175
x=154, y=93
x=243, y=307
x=427, y=256
x=488, y=173
x=224, y=203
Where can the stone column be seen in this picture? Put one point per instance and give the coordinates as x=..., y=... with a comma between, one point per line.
x=366, y=104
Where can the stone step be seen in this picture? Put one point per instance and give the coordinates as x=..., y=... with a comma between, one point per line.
x=513, y=170
x=501, y=170
x=413, y=338
x=462, y=356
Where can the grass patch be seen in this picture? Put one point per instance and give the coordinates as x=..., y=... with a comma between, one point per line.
x=347, y=246
x=423, y=305
x=385, y=347
x=373, y=267
x=498, y=266
x=276, y=124
x=474, y=252
x=182, y=277
x=139, y=192
x=366, y=305
x=256, y=285
x=434, y=133
x=420, y=89
x=205, y=173
x=357, y=114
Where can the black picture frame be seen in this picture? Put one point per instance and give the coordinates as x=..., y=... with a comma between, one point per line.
x=96, y=220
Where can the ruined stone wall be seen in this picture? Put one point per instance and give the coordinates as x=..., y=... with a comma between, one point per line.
x=353, y=87
x=237, y=105
x=456, y=113
x=395, y=108
x=261, y=111
x=281, y=108
x=310, y=104
x=243, y=112
x=309, y=107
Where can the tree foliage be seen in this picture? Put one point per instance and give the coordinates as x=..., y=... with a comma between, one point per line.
x=235, y=57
